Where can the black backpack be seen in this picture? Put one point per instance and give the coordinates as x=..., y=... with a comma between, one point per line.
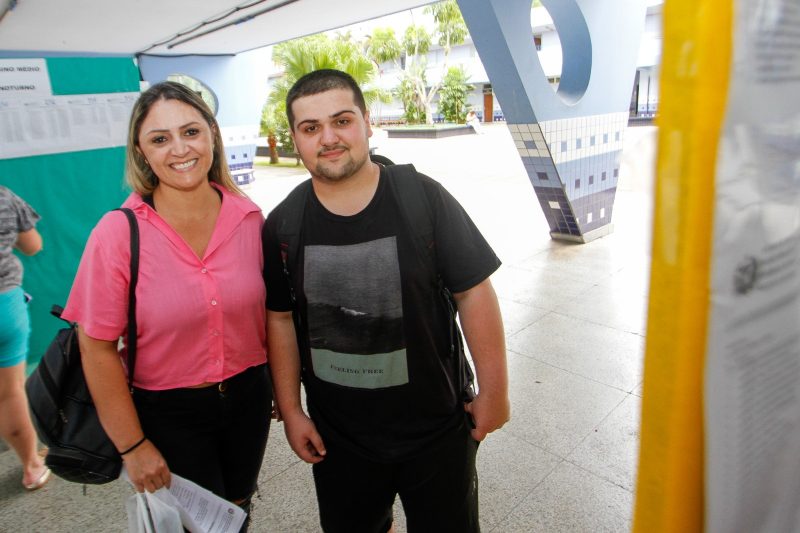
x=61, y=407
x=417, y=215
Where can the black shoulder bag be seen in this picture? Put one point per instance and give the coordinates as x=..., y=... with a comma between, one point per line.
x=62, y=409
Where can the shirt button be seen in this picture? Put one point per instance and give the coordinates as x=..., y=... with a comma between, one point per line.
x=213, y=302
x=204, y=270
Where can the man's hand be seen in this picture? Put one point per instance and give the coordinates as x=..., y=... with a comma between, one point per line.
x=147, y=468
x=480, y=318
x=488, y=413
x=303, y=438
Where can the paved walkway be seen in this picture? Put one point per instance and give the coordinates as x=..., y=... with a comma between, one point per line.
x=574, y=317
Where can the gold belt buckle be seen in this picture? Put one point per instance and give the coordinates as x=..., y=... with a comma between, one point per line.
x=222, y=386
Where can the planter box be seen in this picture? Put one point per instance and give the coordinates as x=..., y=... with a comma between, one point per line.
x=424, y=132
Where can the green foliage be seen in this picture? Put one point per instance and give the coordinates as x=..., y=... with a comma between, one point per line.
x=450, y=25
x=416, y=41
x=301, y=56
x=453, y=95
x=273, y=122
x=383, y=46
x=304, y=55
x=413, y=107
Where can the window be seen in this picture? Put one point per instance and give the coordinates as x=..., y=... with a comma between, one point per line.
x=616, y=136
x=537, y=42
x=199, y=87
x=542, y=176
x=591, y=179
x=578, y=183
x=563, y=146
x=616, y=172
x=605, y=138
x=603, y=177
x=578, y=144
x=591, y=140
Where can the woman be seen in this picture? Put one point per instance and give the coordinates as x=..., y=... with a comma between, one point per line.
x=17, y=221
x=202, y=398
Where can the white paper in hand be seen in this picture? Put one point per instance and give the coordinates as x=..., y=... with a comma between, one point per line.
x=149, y=513
x=200, y=510
x=207, y=512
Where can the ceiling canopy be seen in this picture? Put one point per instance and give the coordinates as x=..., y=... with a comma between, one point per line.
x=174, y=27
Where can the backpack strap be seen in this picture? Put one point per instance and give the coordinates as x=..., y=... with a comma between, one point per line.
x=415, y=209
x=417, y=213
x=290, y=219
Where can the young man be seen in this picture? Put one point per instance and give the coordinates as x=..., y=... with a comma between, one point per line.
x=372, y=336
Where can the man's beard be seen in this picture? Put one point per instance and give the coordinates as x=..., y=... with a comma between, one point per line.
x=345, y=171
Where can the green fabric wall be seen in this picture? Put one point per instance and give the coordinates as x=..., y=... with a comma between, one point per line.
x=71, y=191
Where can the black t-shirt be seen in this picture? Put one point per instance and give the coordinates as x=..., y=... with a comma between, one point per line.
x=375, y=344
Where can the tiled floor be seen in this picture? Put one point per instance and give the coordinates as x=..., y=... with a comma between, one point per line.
x=574, y=317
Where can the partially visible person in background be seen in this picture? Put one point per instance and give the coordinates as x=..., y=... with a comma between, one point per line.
x=17, y=221
x=474, y=122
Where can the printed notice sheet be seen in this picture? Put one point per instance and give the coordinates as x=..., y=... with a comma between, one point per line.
x=57, y=124
x=753, y=366
x=200, y=510
x=34, y=121
x=206, y=512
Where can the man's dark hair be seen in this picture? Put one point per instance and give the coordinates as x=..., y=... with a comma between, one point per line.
x=321, y=81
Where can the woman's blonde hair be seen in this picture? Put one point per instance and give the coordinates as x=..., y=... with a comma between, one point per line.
x=138, y=173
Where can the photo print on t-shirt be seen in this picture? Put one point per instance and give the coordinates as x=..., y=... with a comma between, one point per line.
x=355, y=314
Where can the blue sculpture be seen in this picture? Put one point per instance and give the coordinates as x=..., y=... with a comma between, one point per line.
x=570, y=141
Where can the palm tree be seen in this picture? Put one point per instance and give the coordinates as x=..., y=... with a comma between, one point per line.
x=301, y=56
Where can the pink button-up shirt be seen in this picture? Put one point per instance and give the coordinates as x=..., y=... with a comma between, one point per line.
x=199, y=320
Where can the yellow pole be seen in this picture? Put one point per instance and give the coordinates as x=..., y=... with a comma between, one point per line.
x=694, y=80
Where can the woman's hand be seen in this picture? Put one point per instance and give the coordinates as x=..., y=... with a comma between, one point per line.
x=147, y=469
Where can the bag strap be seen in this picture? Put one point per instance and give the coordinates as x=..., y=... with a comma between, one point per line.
x=290, y=221
x=417, y=212
x=415, y=209
x=134, y=265
x=288, y=232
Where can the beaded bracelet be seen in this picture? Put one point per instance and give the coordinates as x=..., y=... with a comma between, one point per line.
x=129, y=450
